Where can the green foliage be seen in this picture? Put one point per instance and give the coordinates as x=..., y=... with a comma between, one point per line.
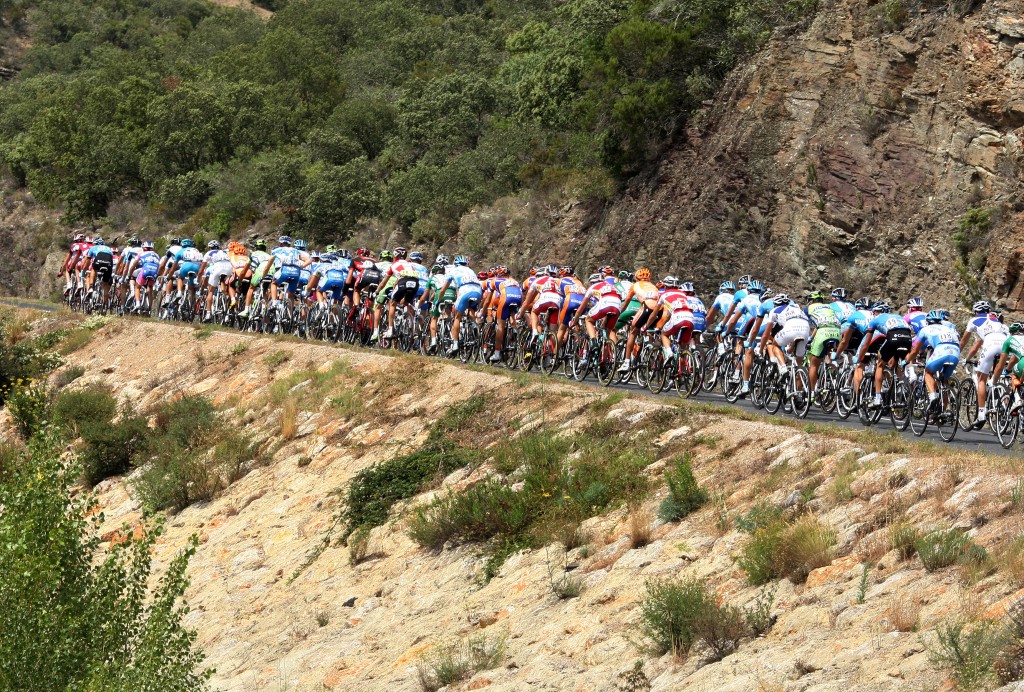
x=482, y=512
x=28, y=405
x=684, y=495
x=23, y=357
x=669, y=612
x=111, y=448
x=78, y=408
x=448, y=664
x=75, y=616
x=945, y=547
x=781, y=548
x=338, y=110
x=968, y=651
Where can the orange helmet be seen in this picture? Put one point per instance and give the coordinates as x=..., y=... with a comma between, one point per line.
x=643, y=274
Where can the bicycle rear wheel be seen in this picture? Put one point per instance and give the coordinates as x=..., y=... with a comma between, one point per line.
x=655, y=371
x=948, y=421
x=919, y=409
x=607, y=362
x=968, y=404
x=685, y=377
x=801, y=397
x=549, y=353
x=899, y=411
x=827, y=393
x=710, y=379
x=845, y=394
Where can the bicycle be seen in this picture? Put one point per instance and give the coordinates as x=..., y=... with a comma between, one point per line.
x=945, y=416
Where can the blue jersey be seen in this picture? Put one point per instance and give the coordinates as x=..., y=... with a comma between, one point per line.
x=188, y=255
x=939, y=339
x=696, y=306
x=842, y=309
x=149, y=261
x=461, y=275
x=99, y=250
x=172, y=252
x=285, y=256
x=723, y=302
x=886, y=322
x=765, y=307
x=858, y=322
x=747, y=311
x=916, y=320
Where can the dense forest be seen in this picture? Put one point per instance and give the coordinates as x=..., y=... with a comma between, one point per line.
x=332, y=111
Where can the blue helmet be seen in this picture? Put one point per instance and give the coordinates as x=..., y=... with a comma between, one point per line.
x=915, y=303
x=416, y=256
x=880, y=306
x=934, y=317
x=744, y=280
x=300, y=244
x=839, y=294
x=863, y=303
x=187, y=242
x=98, y=240
x=461, y=260
x=284, y=240
x=755, y=286
x=727, y=286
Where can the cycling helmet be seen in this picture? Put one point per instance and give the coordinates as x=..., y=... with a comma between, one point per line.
x=1017, y=327
x=331, y=248
x=533, y=271
x=934, y=317
x=79, y=237
x=687, y=287
x=670, y=281
x=386, y=256
x=501, y=270
x=187, y=242
x=755, y=286
x=767, y=293
x=915, y=303
x=416, y=256
x=726, y=286
x=660, y=285
x=300, y=244
x=461, y=261
x=344, y=254
x=605, y=270
x=623, y=275
x=98, y=240
x=213, y=245
x=744, y=280
x=595, y=278
x=839, y=294
x=862, y=303
x=284, y=240
x=781, y=299
x=542, y=271
x=482, y=276
x=880, y=306
x=147, y=244
x=260, y=244
x=315, y=254
x=817, y=296
x=982, y=306
x=134, y=242
x=945, y=313
x=567, y=270
x=437, y=269
x=401, y=252
x=553, y=269
x=362, y=252
x=176, y=241
x=643, y=274
x=998, y=315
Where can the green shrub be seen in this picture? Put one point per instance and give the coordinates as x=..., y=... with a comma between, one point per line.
x=82, y=407
x=482, y=512
x=684, y=495
x=761, y=515
x=968, y=651
x=28, y=405
x=66, y=376
x=904, y=538
x=448, y=664
x=760, y=557
x=110, y=449
x=76, y=614
x=783, y=549
x=942, y=548
x=759, y=613
x=669, y=613
x=186, y=421
x=720, y=628
x=176, y=478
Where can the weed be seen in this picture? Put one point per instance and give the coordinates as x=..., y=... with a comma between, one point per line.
x=176, y=478
x=759, y=516
x=239, y=348
x=1017, y=495
x=499, y=551
x=685, y=496
x=904, y=538
x=448, y=664
x=721, y=514
x=968, y=651
x=759, y=613
x=720, y=628
x=203, y=332
x=634, y=679
x=482, y=512
x=605, y=403
x=639, y=529
x=566, y=585
x=862, y=585
x=942, y=548
x=289, y=418
x=323, y=618
x=780, y=549
x=75, y=339
x=1010, y=559
x=277, y=358
x=1009, y=663
x=904, y=614
x=358, y=545
x=669, y=613
x=845, y=472
x=66, y=376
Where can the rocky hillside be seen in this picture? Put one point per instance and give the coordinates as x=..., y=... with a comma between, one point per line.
x=854, y=608
x=849, y=153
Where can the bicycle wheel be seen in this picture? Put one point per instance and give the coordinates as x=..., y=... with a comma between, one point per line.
x=685, y=377
x=710, y=378
x=827, y=392
x=774, y=389
x=845, y=396
x=899, y=411
x=732, y=382
x=697, y=378
x=968, y=404
x=655, y=371
x=607, y=362
x=757, y=381
x=579, y=360
x=866, y=396
x=549, y=352
x=527, y=348
x=801, y=397
x=919, y=409
x=948, y=420
x=1007, y=424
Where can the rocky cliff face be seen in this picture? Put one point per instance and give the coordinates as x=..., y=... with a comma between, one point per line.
x=844, y=154
x=860, y=621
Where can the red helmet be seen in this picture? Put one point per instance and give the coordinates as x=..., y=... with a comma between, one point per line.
x=482, y=276
x=362, y=252
x=79, y=237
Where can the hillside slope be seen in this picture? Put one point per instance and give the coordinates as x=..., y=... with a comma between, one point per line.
x=861, y=621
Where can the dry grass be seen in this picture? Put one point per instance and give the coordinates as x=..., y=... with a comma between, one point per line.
x=873, y=548
x=289, y=418
x=903, y=614
x=1010, y=561
x=639, y=529
x=599, y=563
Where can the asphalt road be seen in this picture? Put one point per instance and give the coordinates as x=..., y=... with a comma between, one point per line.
x=982, y=441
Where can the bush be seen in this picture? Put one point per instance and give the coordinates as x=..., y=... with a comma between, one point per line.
x=82, y=407
x=685, y=496
x=720, y=628
x=66, y=376
x=792, y=550
x=110, y=448
x=669, y=613
x=904, y=538
x=448, y=664
x=484, y=511
x=968, y=651
x=942, y=548
x=175, y=479
x=28, y=405
x=185, y=421
x=75, y=614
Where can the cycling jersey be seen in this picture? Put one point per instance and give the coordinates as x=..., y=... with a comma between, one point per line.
x=646, y=292
x=700, y=312
x=992, y=333
x=509, y=296
x=572, y=297
x=891, y=336
x=1014, y=346
x=943, y=345
x=790, y=326
x=916, y=319
x=826, y=323
x=333, y=276
x=674, y=300
x=747, y=311
x=239, y=263
x=549, y=297
x=723, y=301
x=102, y=261
x=285, y=256
x=822, y=315
x=887, y=322
x=842, y=309
x=148, y=265
x=467, y=287
x=260, y=262
x=985, y=326
x=436, y=281
x=129, y=254
x=172, y=252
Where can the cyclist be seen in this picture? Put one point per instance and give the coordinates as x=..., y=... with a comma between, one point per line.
x=840, y=305
x=943, y=346
x=853, y=328
x=601, y=304
x=630, y=307
x=825, y=333
x=696, y=305
x=677, y=317
x=542, y=298
x=215, y=268
x=364, y=275
x=505, y=297
x=78, y=250
x=787, y=331
x=742, y=316
x=889, y=336
x=260, y=261
x=130, y=253
x=647, y=294
x=288, y=262
x=742, y=289
x=143, y=270
x=100, y=264
x=164, y=272
x=915, y=316
x=991, y=335
x=436, y=298
x=241, y=267
x=401, y=282
x=723, y=301
x=467, y=294
x=1012, y=353
x=572, y=290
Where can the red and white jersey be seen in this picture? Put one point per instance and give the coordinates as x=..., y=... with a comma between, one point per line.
x=675, y=300
x=545, y=284
x=402, y=268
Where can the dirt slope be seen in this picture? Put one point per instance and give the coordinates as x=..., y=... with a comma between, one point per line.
x=366, y=627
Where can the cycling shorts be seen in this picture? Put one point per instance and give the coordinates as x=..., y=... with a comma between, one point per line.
x=547, y=301
x=287, y=276
x=896, y=343
x=369, y=277
x=468, y=297
x=145, y=278
x=605, y=312
x=700, y=322
x=220, y=271
x=943, y=360
x=824, y=339
x=188, y=268
x=991, y=347
x=304, y=276
x=642, y=316
x=1018, y=369
x=626, y=316
x=794, y=331
x=104, y=269
x=509, y=300
x=570, y=305
x=334, y=288
x=447, y=300
x=681, y=324
x=406, y=290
